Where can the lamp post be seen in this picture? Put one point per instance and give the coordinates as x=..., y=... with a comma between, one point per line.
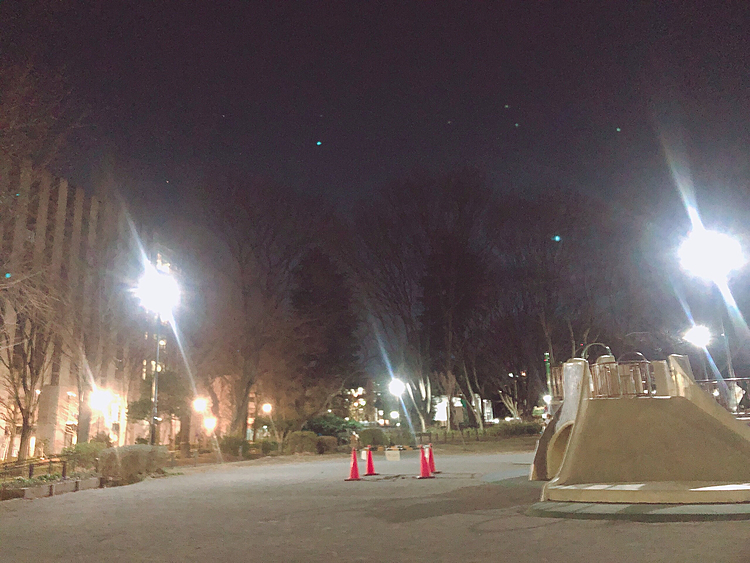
x=267, y=409
x=700, y=337
x=159, y=293
x=712, y=256
x=397, y=388
x=100, y=400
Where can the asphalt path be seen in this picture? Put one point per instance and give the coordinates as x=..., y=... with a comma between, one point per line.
x=302, y=510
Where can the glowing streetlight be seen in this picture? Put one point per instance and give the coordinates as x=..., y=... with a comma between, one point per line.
x=200, y=404
x=396, y=387
x=698, y=336
x=209, y=423
x=101, y=399
x=547, y=399
x=710, y=255
x=267, y=408
x=395, y=415
x=158, y=292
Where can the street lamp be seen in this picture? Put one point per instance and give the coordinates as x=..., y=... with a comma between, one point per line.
x=159, y=293
x=698, y=335
x=200, y=404
x=712, y=256
x=100, y=399
x=209, y=423
x=267, y=408
x=396, y=387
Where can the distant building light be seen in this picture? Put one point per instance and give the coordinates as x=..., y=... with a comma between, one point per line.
x=557, y=238
x=7, y=274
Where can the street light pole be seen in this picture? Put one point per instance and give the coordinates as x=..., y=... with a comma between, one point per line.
x=159, y=293
x=155, y=384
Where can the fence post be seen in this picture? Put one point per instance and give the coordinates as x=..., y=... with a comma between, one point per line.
x=31, y=470
x=64, y=469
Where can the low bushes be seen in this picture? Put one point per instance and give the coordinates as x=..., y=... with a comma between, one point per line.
x=84, y=455
x=327, y=444
x=268, y=446
x=331, y=425
x=130, y=464
x=231, y=445
x=301, y=442
x=401, y=437
x=513, y=428
x=373, y=437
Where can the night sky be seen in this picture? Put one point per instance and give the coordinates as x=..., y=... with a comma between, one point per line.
x=337, y=98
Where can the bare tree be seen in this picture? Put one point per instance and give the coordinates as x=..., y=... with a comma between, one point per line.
x=29, y=322
x=265, y=230
x=392, y=246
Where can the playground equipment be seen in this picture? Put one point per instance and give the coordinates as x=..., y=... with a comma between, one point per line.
x=635, y=431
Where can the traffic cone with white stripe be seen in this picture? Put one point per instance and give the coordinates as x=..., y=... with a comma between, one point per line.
x=424, y=466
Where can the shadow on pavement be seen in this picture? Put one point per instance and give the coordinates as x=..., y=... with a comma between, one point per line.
x=509, y=493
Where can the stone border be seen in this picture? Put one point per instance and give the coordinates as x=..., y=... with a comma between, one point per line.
x=68, y=486
x=641, y=512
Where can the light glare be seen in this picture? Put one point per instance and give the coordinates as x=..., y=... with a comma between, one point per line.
x=209, y=423
x=710, y=255
x=100, y=399
x=397, y=387
x=200, y=404
x=699, y=336
x=158, y=292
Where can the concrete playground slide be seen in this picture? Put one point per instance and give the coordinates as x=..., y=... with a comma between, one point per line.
x=677, y=445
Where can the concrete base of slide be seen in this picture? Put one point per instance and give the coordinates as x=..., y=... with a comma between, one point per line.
x=654, y=450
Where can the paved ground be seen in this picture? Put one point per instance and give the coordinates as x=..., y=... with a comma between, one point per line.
x=303, y=511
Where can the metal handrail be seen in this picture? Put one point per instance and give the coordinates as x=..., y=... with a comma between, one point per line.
x=623, y=379
x=740, y=405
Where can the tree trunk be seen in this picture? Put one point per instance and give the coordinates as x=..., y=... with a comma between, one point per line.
x=185, y=434
x=84, y=419
x=23, y=446
x=476, y=409
x=239, y=424
x=422, y=421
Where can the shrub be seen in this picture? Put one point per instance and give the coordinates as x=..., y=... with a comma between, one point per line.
x=141, y=441
x=130, y=464
x=84, y=454
x=268, y=446
x=331, y=425
x=102, y=438
x=401, y=436
x=327, y=444
x=301, y=442
x=373, y=437
x=231, y=445
x=516, y=428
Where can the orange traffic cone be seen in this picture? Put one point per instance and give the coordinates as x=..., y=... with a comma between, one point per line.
x=424, y=466
x=432, y=461
x=354, y=471
x=370, y=464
